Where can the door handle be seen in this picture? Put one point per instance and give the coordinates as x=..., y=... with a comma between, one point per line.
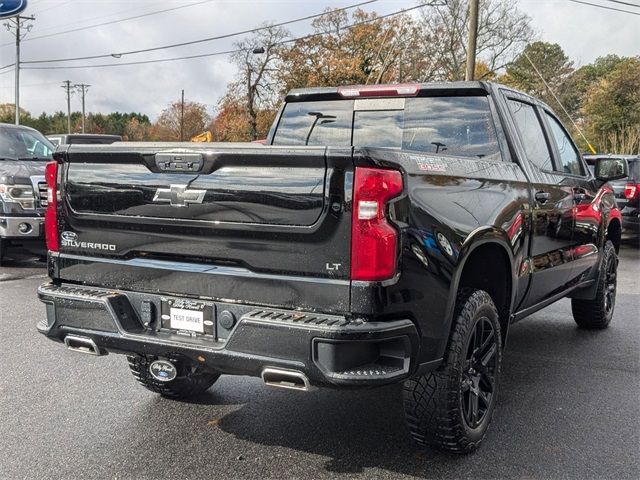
x=542, y=197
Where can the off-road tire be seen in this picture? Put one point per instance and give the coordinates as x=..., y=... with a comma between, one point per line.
x=596, y=314
x=433, y=402
x=189, y=382
x=3, y=249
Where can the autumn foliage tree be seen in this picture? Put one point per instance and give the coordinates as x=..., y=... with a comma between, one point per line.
x=258, y=58
x=172, y=122
x=543, y=70
x=612, y=109
x=231, y=122
x=364, y=48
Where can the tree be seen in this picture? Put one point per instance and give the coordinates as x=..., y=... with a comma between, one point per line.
x=549, y=60
x=583, y=78
x=612, y=109
x=167, y=128
x=137, y=131
x=8, y=112
x=230, y=124
x=340, y=51
x=257, y=59
x=503, y=31
x=543, y=68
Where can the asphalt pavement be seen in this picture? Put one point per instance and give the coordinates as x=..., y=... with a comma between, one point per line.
x=568, y=408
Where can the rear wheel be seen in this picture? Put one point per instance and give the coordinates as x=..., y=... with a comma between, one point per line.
x=451, y=408
x=597, y=313
x=189, y=379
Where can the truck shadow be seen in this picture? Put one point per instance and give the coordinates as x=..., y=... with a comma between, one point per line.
x=363, y=431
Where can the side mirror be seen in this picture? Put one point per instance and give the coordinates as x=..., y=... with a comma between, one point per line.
x=608, y=169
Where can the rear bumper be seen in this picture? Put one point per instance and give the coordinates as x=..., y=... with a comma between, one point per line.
x=329, y=350
x=21, y=227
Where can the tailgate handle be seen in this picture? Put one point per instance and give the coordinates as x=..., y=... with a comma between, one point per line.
x=179, y=162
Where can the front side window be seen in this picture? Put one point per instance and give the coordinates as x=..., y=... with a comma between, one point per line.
x=569, y=157
x=531, y=133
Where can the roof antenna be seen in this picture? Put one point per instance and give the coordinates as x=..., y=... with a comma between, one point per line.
x=593, y=150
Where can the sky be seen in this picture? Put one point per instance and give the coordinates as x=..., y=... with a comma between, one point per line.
x=584, y=32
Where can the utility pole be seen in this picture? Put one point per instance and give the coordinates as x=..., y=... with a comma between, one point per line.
x=83, y=88
x=182, y=118
x=19, y=26
x=471, y=44
x=67, y=86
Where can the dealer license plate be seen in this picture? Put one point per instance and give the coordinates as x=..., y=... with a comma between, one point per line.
x=183, y=319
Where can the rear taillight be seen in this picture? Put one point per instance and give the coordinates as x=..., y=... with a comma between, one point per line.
x=51, y=214
x=374, y=241
x=631, y=191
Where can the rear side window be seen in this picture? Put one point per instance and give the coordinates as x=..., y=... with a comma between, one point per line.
x=457, y=126
x=531, y=134
x=569, y=157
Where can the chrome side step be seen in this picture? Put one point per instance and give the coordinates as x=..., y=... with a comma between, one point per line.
x=289, y=379
x=82, y=345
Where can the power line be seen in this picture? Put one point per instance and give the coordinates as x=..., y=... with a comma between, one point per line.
x=118, y=21
x=85, y=20
x=201, y=40
x=140, y=62
x=624, y=3
x=228, y=52
x=558, y=100
x=51, y=7
x=604, y=6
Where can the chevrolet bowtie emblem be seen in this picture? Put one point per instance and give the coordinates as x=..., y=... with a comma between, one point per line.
x=179, y=195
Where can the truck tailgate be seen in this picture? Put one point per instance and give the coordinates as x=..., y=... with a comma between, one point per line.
x=157, y=212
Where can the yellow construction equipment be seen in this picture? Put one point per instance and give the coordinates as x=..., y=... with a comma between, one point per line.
x=203, y=137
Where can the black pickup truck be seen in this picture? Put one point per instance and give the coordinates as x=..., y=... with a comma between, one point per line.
x=384, y=234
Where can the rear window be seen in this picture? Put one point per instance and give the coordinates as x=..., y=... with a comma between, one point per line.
x=457, y=126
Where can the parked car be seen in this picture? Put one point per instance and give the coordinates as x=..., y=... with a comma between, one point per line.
x=82, y=138
x=385, y=234
x=627, y=192
x=23, y=155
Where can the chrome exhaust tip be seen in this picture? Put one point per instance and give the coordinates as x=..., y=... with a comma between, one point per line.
x=289, y=379
x=82, y=345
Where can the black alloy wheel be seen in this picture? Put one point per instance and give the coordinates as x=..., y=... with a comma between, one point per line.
x=610, y=284
x=478, y=376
